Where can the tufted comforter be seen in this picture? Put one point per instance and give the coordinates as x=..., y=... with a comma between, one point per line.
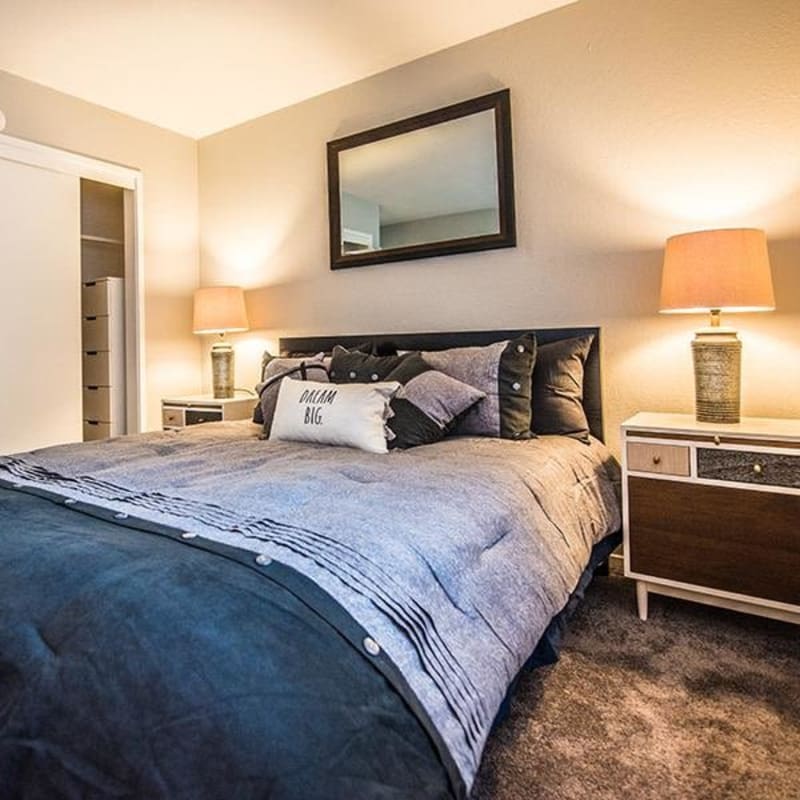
x=204, y=614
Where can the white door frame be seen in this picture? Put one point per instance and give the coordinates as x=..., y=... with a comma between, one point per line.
x=57, y=160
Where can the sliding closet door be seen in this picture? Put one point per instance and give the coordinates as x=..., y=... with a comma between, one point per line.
x=40, y=316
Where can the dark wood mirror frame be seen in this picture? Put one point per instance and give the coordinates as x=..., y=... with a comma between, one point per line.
x=500, y=102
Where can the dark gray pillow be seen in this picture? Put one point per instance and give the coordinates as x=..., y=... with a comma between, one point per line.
x=502, y=371
x=354, y=366
x=558, y=388
x=274, y=365
x=428, y=403
x=278, y=370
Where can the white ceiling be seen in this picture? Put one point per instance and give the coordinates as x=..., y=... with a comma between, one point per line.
x=199, y=66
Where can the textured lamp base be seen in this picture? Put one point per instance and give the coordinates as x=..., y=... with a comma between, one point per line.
x=222, y=370
x=717, y=369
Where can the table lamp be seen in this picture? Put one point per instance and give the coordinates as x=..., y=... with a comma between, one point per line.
x=220, y=309
x=714, y=271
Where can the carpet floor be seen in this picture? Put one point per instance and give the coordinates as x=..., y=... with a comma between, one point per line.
x=696, y=703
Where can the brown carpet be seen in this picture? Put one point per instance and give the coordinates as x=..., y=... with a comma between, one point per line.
x=695, y=704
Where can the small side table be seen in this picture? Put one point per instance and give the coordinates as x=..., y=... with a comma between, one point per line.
x=711, y=512
x=178, y=412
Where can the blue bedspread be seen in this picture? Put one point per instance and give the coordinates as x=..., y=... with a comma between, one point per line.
x=138, y=665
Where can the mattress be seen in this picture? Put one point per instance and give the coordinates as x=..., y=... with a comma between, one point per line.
x=436, y=569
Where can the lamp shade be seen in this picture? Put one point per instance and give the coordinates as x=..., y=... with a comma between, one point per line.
x=725, y=269
x=219, y=309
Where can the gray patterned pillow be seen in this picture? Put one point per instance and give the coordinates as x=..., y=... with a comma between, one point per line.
x=427, y=404
x=502, y=371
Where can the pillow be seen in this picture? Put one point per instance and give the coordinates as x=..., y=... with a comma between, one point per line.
x=279, y=364
x=258, y=416
x=353, y=415
x=427, y=404
x=371, y=347
x=502, y=371
x=353, y=366
x=274, y=373
x=364, y=347
x=558, y=388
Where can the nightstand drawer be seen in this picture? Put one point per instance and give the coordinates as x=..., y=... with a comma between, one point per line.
x=662, y=459
x=725, y=538
x=742, y=466
x=172, y=417
x=196, y=416
x=179, y=411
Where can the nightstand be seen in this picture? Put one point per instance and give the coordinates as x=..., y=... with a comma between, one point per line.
x=712, y=512
x=178, y=412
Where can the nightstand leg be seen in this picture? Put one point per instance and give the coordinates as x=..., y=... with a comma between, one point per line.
x=641, y=600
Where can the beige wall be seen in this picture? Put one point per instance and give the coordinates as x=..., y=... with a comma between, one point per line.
x=633, y=120
x=169, y=165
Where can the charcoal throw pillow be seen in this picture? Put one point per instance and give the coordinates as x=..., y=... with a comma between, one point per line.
x=427, y=403
x=275, y=365
x=350, y=415
x=275, y=372
x=558, y=388
x=502, y=371
x=353, y=366
x=363, y=347
x=258, y=416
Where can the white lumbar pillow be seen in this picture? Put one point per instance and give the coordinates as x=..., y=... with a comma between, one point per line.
x=351, y=414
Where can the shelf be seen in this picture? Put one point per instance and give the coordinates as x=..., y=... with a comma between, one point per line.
x=85, y=237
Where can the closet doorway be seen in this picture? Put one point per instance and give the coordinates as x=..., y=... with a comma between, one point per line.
x=71, y=297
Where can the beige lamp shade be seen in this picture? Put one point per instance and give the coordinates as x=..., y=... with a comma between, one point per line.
x=219, y=309
x=726, y=270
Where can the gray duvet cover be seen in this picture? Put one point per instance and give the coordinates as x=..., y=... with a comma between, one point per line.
x=454, y=556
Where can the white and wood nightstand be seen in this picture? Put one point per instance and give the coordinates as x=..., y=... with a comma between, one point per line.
x=178, y=412
x=711, y=512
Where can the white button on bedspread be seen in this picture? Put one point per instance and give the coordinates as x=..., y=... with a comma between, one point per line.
x=374, y=376
x=352, y=375
x=121, y=515
x=371, y=646
x=70, y=501
x=188, y=535
x=520, y=348
x=263, y=560
x=515, y=386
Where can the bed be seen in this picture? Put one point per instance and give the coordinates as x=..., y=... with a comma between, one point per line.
x=204, y=614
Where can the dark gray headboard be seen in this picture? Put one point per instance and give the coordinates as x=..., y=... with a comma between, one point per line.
x=592, y=398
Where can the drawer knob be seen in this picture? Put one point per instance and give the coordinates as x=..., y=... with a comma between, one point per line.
x=716, y=440
x=656, y=460
x=758, y=469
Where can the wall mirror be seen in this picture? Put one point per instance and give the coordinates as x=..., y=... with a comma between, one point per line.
x=434, y=184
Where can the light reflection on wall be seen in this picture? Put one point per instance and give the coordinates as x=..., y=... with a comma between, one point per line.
x=716, y=188
x=247, y=258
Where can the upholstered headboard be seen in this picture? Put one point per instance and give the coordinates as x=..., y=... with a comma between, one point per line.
x=592, y=397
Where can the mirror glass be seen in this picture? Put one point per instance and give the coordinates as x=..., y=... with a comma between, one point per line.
x=430, y=185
